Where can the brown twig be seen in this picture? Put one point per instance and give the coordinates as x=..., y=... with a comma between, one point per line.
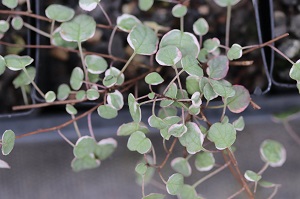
x=169, y=153
x=15, y=12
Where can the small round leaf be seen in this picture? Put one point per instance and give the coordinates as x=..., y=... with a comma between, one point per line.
x=50, y=96
x=115, y=99
x=87, y=162
x=154, y=79
x=240, y=101
x=84, y=147
x=16, y=62
x=252, y=176
x=175, y=183
x=168, y=55
x=200, y=27
x=8, y=142
x=76, y=79
x=71, y=109
x=107, y=111
x=218, y=67
x=22, y=79
x=10, y=3
x=134, y=109
x=126, y=22
x=273, y=153
x=129, y=128
x=204, y=161
x=17, y=23
x=59, y=13
x=95, y=64
x=139, y=142
x=92, y=94
x=225, y=3
x=63, y=92
x=223, y=135
x=182, y=166
x=105, y=148
x=193, y=138
x=4, y=26
x=88, y=5
x=191, y=66
x=179, y=10
x=145, y=5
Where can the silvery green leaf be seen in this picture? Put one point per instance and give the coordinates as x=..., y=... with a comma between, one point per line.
x=76, y=78
x=225, y=3
x=129, y=128
x=211, y=44
x=8, y=142
x=63, y=91
x=134, y=109
x=218, y=67
x=295, y=71
x=105, y=148
x=193, y=138
x=175, y=183
x=168, y=55
x=139, y=142
x=57, y=40
x=84, y=146
x=192, y=84
x=179, y=10
x=109, y=81
x=200, y=27
x=182, y=166
x=141, y=168
x=145, y=5
x=84, y=163
x=204, y=161
x=126, y=22
x=88, y=5
x=16, y=62
x=196, y=99
x=59, y=12
x=95, y=64
x=252, y=176
x=107, y=111
x=4, y=26
x=115, y=99
x=240, y=101
x=17, y=23
x=2, y=65
x=10, y=3
x=115, y=73
x=22, y=79
x=191, y=66
x=223, y=135
x=187, y=192
x=71, y=109
x=166, y=112
x=239, y=124
x=154, y=78
x=80, y=95
x=177, y=130
x=221, y=89
x=273, y=153
x=154, y=196
x=92, y=94
x=235, y=52
x=156, y=122
x=194, y=110
x=50, y=96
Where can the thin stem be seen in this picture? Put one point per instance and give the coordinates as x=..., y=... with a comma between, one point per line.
x=76, y=126
x=162, y=178
x=274, y=192
x=111, y=38
x=105, y=14
x=34, y=84
x=169, y=153
x=14, y=12
x=24, y=95
x=150, y=101
x=154, y=155
x=89, y=120
x=291, y=132
x=83, y=64
x=228, y=17
x=28, y=6
x=211, y=174
x=65, y=138
x=127, y=63
x=172, y=81
x=280, y=53
x=36, y=30
x=200, y=40
x=224, y=109
x=143, y=185
x=236, y=193
x=266, y=165
x=165, y=146
x=52, y=29
x=182, y=24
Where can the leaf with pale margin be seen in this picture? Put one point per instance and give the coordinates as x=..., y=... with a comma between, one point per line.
x=187, y=192
x=218, y=67
x=126, y=22
x=194, y=110
x=240, y=101
x=139, y=142
x=295, y=71
x=59, y=13
x=16, y=62
x=252, y=176
x=235, y=52
x=2, y=65
x=222, y=89
x=179, y=10
x=168, y=55
x=193, y=138
x=191, y=66
x=146, y=178
x=105, y=148
x=63, y=92
x=109, y=80
x=143, y=40
x=200, y=27
x=107, y=111
x=88, y=5
x=202, y=56
x=115, y=99
x=17, y=23
x=154, y=78
x=71, y=109
x=4, y=165
x=141, y=168
x=192, y=84
x=211, y=44
x=129, y=128
x=225, y=3
x=76, y=78
x=115, y=73
x=22, y=79
x=177, y=130
x=79, y=29
x=166, y=112
x=95, y=64
x=87, y=162
x=196, y=99
x=57, y=40
x=239, y=124
x=80, y=95
x=8, y=141
x=175, y=183
x=209, y=92
x=204, y=161
x=134, y=109
x=266, y=184
x=273, y=153
x=92, y=94
x=4, y=26
x=156, y=122
x=50, y=96
x=186, y=42
x=172, y=91
x=223, y=135
x=84, y=147
x=182, y=166
x=145, y=5
x=10, y=3
x=154, y=196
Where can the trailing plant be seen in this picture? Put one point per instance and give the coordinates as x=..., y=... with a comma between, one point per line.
x=179, y=106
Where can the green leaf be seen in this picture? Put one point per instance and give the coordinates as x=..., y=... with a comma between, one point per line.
x=109, y=80
x=59, y=13
x=129, y=128
x=63, y=92
x=192, y=139
x=105, y=148
x=202, y=56
x=116, y=74
x=156, y=122
x=191, y=66
x=151, y=95
x=50, y=96
x=71, y=109
x=145, y=5
x=168, y=55
x=154, y=196
x=17, y=23
x=141, y=168
x=134, y=109
x=200, y=27
x=225, y=3
x=192, y=84
x=177, y=130
x=221, y=89
x=80, y=95
x=187, y=192
x=115, y=99
x=92, y=94
x=252, y=176
x=93, y=78
x=16, y=62
x=266, y=184
x=194, y=110
x=295, y=71
x=218, y=67
x=87, y=162
x=84, y=147
x=273, y=153
x=209, y=92
x=239, y=124
x=22, y=79
x=2, y=65
x=235, y=52
x=186, y=42
x=172, y=91
x=76, y=78
x=139, y=142
x=240, y=101
x=204, y=161
x=126, y=22
x=182, y=166
x=4, y=165
x=79, y=29
x=88, y=5
x=175, y=183
x=154, y=79
x=95, y=64
x=223, y=135
x=146, y=178
x=143, y=40
x=107, y=111
x=10, y=3
x=211, y=44
x=8, y=142
x=179, y=10
x=196, y=99
x=166, y=112
x=57, y=40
